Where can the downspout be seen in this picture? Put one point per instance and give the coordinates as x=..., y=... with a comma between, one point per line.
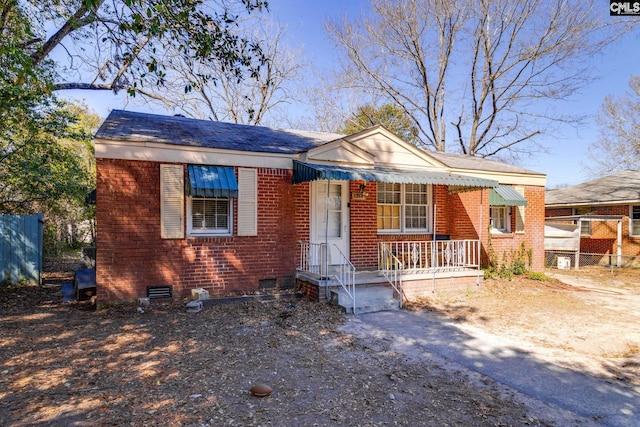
x=577, y=254
x=481, y=226
x=435, y=213
x=434, y=249
x=619, y=245
x=326, y=242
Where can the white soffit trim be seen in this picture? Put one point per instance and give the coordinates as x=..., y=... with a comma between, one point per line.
x=157, y=152
x=506, y=177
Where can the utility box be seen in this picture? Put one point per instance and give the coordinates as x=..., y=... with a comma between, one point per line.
x=564, y=263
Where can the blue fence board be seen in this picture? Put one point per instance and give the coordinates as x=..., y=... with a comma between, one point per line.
x=20, y=249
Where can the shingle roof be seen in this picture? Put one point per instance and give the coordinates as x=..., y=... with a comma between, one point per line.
x=142, y=127
x=618, y=188
x=462, y=161
x=132, y=126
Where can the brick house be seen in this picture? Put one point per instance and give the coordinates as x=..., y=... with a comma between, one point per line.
x=606, y=211
x=234, y=209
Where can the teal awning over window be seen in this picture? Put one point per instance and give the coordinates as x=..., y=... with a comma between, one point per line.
x=504, y=195
x=303, y=172
x=211, y=181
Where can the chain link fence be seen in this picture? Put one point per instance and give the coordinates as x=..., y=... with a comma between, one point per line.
x=565, y=260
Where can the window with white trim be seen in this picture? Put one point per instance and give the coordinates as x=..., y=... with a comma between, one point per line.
x=500, y=219
x=210, y=216
x=403, y=208
x=585, y=226
x=634, y=217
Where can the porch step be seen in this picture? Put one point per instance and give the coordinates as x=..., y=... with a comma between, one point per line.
x=369, y=299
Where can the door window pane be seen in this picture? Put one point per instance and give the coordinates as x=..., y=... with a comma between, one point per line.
x=329, y=208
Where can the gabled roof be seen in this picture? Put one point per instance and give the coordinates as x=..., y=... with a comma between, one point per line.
x=176, y=130
x=141, y=136
x=622, y=187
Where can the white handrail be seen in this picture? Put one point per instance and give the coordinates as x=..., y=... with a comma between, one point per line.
x=346, y=276
x=312, y=257
x=391, y=269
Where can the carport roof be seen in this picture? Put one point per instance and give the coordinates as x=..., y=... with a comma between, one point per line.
x=622, y=187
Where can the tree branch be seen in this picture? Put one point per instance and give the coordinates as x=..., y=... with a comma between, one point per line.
x=77, y=20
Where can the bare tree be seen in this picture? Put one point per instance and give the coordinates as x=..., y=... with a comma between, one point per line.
x=486, y=71
x=618, y=147
x=227, y=97
x=118, y=44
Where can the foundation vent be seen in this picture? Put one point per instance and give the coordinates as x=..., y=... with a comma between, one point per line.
x=155, y=292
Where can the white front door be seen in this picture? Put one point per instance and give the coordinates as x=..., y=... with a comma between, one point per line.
x=330, y=217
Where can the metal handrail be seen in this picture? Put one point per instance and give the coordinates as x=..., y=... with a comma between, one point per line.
x=392, y=270
x=311, y=257
x=346, y=276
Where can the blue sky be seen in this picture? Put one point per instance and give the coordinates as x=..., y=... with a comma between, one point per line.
x=564, y=164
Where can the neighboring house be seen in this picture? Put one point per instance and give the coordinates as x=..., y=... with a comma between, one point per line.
x=234, y=209
x=607, y=213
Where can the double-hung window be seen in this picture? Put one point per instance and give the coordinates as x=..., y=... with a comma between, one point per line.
x=211, y=215
x=634, y=217
x=209, y=206
x=403, y=208
x=500, y=219
x=585, y=226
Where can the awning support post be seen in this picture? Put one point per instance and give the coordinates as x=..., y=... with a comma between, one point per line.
x=326, y=241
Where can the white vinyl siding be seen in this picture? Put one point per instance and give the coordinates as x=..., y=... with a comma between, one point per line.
x=247, y=202
x=171, y=201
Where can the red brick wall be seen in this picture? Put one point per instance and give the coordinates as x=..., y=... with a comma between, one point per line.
x=302, y=198
x=603, y=238
x=558, y=212
x=457, y=215
x=533, y=236
x=131, y=255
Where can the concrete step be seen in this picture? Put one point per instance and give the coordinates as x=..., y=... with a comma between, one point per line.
x=369, y=299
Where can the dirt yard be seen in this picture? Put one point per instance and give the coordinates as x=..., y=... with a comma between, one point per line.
x=67, y=364
x=587, y=320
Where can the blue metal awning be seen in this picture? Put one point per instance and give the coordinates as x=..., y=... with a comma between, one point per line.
x=505, y=195
x=211, y=181
x=303, y=172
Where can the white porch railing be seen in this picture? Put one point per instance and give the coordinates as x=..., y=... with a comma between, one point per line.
x=312, y=257
x=392, y=270
x=315, y=258
x=430, y=255
x=346, y=275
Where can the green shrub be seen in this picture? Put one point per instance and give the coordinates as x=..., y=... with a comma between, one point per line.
x=514, y=263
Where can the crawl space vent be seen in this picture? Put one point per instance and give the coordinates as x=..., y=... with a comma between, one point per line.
x=154, y=292
x=267, y=283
